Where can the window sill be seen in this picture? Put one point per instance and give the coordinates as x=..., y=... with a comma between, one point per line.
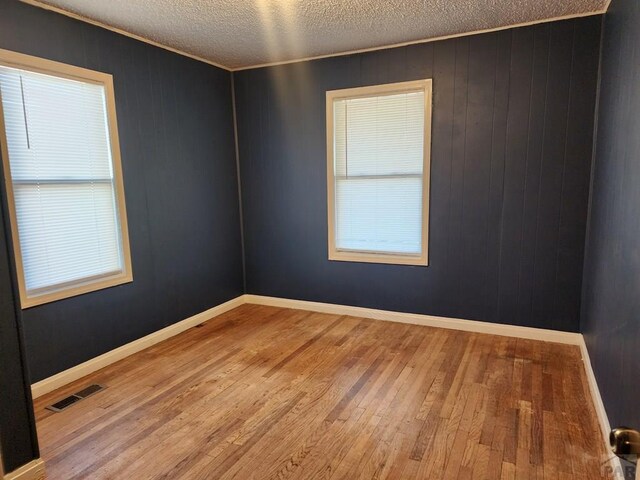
x=78, y=289
x=384, y=258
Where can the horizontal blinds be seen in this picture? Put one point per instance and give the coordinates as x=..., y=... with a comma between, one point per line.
x=61, y=169
x=378, y=168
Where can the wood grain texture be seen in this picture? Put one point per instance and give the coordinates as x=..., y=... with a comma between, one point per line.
x=263, y=392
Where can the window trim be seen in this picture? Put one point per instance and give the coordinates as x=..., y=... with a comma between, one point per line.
x=376, y=257
x=61, y=70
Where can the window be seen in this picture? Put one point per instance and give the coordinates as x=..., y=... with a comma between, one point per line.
x=378, y=145
x=63, y=178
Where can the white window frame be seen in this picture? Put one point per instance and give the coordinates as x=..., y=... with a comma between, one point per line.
x=421, y=259
x=61, y=70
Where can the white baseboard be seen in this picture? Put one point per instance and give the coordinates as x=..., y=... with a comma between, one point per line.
x=420, y=319
x=601, y=412
x=466, y=325
x=63, y=378
x=86, y=368
x=603, y=419
x=33, y=470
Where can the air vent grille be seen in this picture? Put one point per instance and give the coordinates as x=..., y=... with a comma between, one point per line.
x=90, y=390
x=65, y=403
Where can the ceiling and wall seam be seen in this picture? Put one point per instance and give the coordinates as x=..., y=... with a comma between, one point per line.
x=269, y=39
x=81, y=18
x=418, y=42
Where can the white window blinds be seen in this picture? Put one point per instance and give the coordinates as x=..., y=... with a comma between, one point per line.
x=378, y=165
x=62, y=177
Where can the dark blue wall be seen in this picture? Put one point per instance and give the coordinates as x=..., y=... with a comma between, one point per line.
x=18, y=439
x=611, y=302
x=176, y=135
x=511, y=153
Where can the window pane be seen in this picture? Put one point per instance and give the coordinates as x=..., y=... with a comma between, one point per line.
x=67, y=232
x=56, y=128
x=379, y=215
x=63, y=183
x=381, y=135
x=378, y=162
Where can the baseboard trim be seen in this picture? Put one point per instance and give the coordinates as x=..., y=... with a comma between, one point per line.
x=86, y=368
x=33, y=470
x=603, y=419
x=466, y=325
x=601, y=412
x=74, y=373
x=421, y=319
x=63, y=378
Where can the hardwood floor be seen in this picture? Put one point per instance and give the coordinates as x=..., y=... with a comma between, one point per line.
x=263, y=392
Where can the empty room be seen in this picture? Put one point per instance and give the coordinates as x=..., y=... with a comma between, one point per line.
x=295, y=239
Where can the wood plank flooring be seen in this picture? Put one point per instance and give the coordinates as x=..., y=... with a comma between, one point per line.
x=270, y=393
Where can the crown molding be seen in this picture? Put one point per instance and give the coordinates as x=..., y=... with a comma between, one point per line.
x=425, y=40
x=75, y=16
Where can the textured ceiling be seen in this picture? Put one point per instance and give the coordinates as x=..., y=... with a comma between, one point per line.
x=242, y=33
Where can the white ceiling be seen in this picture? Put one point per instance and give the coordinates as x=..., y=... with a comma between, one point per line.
x=242, y=33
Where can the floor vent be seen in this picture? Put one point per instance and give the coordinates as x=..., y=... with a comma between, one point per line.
x=90, y=390
x=76, y=397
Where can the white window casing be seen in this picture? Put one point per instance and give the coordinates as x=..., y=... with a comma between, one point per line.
x=378, y=165
x=63, y=178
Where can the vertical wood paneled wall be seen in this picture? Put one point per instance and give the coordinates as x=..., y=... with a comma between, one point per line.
x=611, y=302
x=511, y=153
x=178, y=158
